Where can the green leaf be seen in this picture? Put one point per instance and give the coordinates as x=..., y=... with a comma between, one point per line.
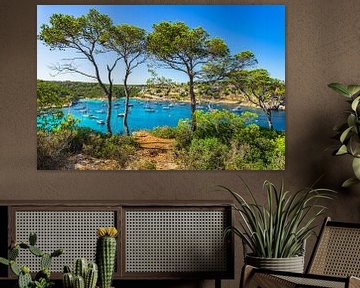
x=349, y=182
x=351, y=120
x=4, y=261
x=340, y=88
x=14, y=268
x=356, y=167
x=342, y=150
x=13, y=253
x=354, y=145
x=32, y=238
x=354, y=90
x=355, y=103
x=345, y=134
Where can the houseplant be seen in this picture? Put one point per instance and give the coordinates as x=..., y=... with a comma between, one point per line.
x=42, y=278
x=106, y=254
x=276, y=233
x=349, y=131
x=84, y=275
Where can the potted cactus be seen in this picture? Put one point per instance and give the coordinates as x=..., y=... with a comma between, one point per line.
x=106, y=254
x=42, y=278
x=84, y=275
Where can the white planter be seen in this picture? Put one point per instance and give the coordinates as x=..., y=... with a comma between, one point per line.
x=291, y=264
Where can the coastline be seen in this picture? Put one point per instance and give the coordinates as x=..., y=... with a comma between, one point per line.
x=163, y=99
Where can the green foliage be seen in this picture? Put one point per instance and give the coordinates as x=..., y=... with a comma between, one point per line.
x=177, y=46
x=349, y=131
x=43, y=283
x=279, y=229
x=51, y=95
x=84, y=35
x=174, y=42
x=218, y=123
x=127, y=41
x=165, y=132
x=206, y=154
x=260, y=89
x=256, y=148
x=238, y=146
x=50, y=98
x=222, y=67
x=159, y=86
x=52, y=149
x=184, y=135
x=115, y=147
x=73, y=90
x=67, y=31
x=56, y=146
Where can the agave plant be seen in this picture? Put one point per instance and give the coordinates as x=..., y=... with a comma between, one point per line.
x=280, y=229
x=349, y=132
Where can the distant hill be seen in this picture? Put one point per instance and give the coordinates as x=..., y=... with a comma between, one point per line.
x=77, y=90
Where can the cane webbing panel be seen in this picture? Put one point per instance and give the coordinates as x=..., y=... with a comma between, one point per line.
x=313, y=282
x=74, y=231
x=338, y=252
x=175, y=241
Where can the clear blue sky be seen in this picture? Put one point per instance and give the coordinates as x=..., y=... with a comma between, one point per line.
x=259, y=28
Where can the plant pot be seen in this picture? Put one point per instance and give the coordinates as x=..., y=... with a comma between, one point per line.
x=291, y=264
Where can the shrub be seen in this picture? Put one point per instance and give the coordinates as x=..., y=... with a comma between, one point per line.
x=53, y=149
x=257, y=148
x=206, y=154
x=183, y=135
x=164, y=132
x=278, y=154
x=142, y=165
x=115, y=147
x=218, y=123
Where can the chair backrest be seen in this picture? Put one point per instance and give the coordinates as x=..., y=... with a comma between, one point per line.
x=337, y=251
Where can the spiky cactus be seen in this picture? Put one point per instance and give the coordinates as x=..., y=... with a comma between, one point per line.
x=81, y=266
x=79, y=282
x=68, y=280
x=106, y=254
x=24, y=277
x=23, y=273
x=84, y=274
x=91, y=276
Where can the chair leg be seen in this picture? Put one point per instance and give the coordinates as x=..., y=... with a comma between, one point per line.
x=246, y=274
x=217, y=283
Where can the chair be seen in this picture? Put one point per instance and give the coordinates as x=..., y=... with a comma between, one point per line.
x=335, y=262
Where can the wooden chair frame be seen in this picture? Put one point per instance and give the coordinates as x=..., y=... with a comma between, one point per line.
x=254, y=277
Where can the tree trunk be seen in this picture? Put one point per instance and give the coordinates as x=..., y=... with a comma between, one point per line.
x=193, y=102
x=126, y=109
x=269, y=120
x=108, y=116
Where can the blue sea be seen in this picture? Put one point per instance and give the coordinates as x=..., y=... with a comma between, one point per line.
x=150, y=114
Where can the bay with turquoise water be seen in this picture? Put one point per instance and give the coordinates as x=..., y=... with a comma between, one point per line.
x=146, y=115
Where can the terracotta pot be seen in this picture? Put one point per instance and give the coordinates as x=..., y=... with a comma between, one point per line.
x=291, y=264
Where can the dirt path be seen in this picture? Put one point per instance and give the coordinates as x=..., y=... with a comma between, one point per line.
x=154, y=153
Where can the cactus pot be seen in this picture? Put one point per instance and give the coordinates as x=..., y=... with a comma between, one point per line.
x=291, y=264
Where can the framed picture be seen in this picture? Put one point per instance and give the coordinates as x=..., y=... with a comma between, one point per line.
x=161, y=87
